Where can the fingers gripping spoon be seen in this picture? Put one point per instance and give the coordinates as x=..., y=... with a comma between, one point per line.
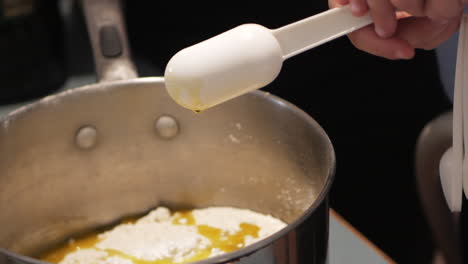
x=248, y=57
x=454, y=165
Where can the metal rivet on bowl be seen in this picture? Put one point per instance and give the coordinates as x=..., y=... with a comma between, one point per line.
x=166, y=127
x=86, y=137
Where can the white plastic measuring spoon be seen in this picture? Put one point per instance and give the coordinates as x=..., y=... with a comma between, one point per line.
x=248, y=57
x=453, y=166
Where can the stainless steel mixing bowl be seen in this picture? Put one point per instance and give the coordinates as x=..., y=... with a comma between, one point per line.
x=87, y=157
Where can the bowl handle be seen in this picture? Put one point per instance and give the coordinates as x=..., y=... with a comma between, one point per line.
x=108, y=36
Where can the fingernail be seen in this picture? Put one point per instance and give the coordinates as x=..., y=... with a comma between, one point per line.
x=355, y=8
x=402, y=55
x=380, y=32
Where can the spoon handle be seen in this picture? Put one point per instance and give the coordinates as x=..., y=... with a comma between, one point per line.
x=464, y=96
x=453, y=165
x=318, y=29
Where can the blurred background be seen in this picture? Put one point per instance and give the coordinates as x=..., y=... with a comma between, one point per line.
x=373, y=109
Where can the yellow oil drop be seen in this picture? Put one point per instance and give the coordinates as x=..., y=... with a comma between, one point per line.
x=212, y=233
x=186, y=93
x=184, y=218
x=57, y=254
x=228, y=242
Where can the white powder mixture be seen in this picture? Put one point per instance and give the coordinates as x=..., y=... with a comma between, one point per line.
x=162, y=237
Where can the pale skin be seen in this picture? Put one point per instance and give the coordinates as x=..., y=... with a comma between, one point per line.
x=401, y=26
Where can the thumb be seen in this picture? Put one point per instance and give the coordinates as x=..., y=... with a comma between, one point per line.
x=425, y=33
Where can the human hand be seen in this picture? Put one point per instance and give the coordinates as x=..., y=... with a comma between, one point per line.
x=418, y=24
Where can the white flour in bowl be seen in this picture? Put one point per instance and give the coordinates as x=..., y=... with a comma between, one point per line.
x=164, y=238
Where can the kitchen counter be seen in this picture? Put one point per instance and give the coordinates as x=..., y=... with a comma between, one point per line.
x=347, y=245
